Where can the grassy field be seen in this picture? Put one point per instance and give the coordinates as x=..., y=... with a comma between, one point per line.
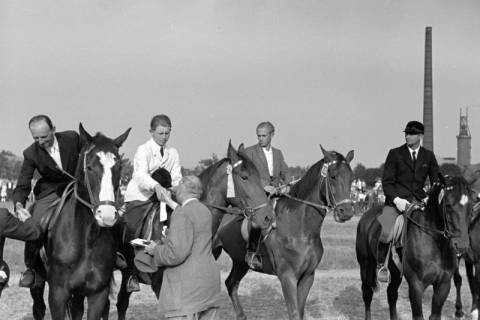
x=335, y=294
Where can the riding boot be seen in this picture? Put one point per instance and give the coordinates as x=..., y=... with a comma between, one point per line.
x=383, y=274
x=252, y=258
x=27, y=279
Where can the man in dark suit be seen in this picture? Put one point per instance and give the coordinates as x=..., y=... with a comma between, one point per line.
x=404, y=176
x=54, y=156
x=273, y=173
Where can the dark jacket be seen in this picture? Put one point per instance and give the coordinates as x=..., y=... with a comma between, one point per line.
x=402, y=179
x=280, y=168
x=52, y=178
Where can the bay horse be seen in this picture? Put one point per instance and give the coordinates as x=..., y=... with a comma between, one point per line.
x=81, y=245
x=242, y=196
x=434, y=237
x=293, y=249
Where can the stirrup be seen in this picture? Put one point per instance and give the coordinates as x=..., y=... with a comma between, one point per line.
x=383, y=274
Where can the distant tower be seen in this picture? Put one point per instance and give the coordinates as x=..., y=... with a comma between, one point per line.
x=428, y=92
x=464, y=141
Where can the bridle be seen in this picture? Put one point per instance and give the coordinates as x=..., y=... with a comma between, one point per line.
x=446, y=233
x=92, y=204
x=330, y=197
x=246, y=211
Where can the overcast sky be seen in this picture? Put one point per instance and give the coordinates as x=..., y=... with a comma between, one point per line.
x=346, y=74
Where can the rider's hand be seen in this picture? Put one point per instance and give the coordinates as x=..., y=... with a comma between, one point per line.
x=21, y=213
x=401, y=204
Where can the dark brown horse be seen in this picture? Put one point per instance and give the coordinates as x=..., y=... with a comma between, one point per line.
x=434, y=238
x=248, y=199
x=472, y=258
x=81, y=246
x=293, y=250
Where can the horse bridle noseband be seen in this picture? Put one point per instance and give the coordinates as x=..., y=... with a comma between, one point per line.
x=331, y=201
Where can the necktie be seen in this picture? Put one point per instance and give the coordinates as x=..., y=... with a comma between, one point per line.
x=161, y=150
x=414, y=157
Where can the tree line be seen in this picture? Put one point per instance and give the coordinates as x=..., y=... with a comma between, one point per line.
x=10, y=165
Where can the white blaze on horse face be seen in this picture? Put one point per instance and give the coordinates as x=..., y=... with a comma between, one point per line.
x=106, y=213
x=463, y=200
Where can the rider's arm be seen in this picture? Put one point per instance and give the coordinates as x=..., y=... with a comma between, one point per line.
x=178, y=244
x=141, y=174
x=389, y=176
x=24, y=183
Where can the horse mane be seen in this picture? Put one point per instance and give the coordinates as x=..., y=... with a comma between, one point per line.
x=459, y=185
x=210, y=171
x=303, y=188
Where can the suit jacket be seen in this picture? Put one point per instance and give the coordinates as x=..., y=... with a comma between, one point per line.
x=52, y=178
x=280, y=169
x=191, y=281
x=402, y=179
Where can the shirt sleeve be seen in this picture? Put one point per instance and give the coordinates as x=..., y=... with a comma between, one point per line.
x=178, y=244
x=141, y=174
x=176, y=172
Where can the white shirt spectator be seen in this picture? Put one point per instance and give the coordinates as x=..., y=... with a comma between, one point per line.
x=269, y=156
x=148, y=159
x=54, y=152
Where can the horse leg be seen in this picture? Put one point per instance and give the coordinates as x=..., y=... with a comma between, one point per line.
x=96, y=304
x=368, y=276
x=392, y=290
x=415, y=293
x=123, y=297
x=38, y=307
x=77, y=307
x=239, y=270
x=440, y=294
x=106, y=310
x=303, y=289
x=471, y=283
x=457, y=280
x=58, y=297
x=289, y=289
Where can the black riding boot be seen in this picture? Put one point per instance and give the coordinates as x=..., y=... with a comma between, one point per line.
x=32, y=249
x=253, y=259
x=383, y=274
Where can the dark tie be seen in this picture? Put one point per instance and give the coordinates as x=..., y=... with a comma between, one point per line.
x=161, y=150
x=414, y=157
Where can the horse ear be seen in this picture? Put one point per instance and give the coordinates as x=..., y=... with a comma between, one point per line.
x=349, y=156
x=441, y=178
x=241, y=148
x=326, y=154
x=231, y=152
x=84, y=135
x=121, y=139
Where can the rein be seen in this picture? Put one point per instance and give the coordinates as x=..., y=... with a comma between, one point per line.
x=416, y=206
x=328, y=193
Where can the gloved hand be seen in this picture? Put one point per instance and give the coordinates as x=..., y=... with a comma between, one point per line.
x=401, y=204
x=271, y=190
x=21, y=213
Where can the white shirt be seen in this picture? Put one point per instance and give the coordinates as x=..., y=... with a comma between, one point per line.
x=54, y=152
x=148, y=159
x=269, y=156
x=416, y=152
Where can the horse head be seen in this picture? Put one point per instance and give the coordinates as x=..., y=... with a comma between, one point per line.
x=337, y=176
x=98, y=175
x=248, y=188
x=452, y=195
